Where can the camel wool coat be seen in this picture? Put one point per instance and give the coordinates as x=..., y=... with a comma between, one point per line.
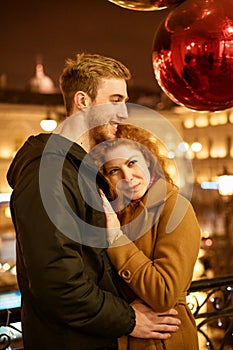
x=155, y=259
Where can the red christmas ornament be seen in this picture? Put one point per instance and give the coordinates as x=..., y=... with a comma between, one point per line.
x=145, y=5
x=193, y=55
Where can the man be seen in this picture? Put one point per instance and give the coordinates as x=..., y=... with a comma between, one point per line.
x=69, y=300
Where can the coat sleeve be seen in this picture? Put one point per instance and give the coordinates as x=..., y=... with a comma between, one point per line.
x=161, y=279
x=55, y=270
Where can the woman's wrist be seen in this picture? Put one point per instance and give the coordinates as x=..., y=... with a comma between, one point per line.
x=115, y=236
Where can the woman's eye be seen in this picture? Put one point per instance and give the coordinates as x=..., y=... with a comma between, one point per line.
x=132, y=162
x=112, y=171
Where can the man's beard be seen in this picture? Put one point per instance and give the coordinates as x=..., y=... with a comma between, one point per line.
x=100, y=134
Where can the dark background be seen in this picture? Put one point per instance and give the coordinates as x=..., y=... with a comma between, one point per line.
x=51, y=31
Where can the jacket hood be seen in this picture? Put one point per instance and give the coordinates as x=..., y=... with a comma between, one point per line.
x=33, y=149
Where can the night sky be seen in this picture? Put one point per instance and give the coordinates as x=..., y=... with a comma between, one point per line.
x=52, y=30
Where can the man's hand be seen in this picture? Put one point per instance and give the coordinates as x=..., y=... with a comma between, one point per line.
x=154, y=325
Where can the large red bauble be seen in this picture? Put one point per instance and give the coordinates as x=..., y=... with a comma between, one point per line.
x=145, y=5
x=193, y=55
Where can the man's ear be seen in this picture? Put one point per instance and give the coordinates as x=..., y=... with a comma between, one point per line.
x=81, y=100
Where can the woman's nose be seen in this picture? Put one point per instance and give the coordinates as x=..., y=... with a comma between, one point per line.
x=127, y=175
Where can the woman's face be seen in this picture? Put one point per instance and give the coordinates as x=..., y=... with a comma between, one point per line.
x=127, y=170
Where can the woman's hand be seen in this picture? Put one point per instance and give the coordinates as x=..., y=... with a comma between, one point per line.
x=112, y=221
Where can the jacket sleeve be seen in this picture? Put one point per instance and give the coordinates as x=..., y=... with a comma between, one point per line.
x=161, y=279
x=59, y=276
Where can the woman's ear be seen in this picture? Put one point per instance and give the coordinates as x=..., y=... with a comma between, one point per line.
x=81, y=100
x=148, y=163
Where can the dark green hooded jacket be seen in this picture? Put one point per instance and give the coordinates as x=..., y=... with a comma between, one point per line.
x=69, y=299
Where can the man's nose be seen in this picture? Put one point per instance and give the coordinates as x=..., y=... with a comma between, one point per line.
x=122, y=111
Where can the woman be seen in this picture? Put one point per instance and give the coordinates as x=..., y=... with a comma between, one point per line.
x=154, y=238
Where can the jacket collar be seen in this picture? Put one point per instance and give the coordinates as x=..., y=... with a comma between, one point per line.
x=157, y=194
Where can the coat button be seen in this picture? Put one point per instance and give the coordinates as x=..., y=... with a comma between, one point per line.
x=126, y=274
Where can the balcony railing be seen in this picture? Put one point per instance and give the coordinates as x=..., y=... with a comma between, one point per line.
x=10, y=335
x=211, y=301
